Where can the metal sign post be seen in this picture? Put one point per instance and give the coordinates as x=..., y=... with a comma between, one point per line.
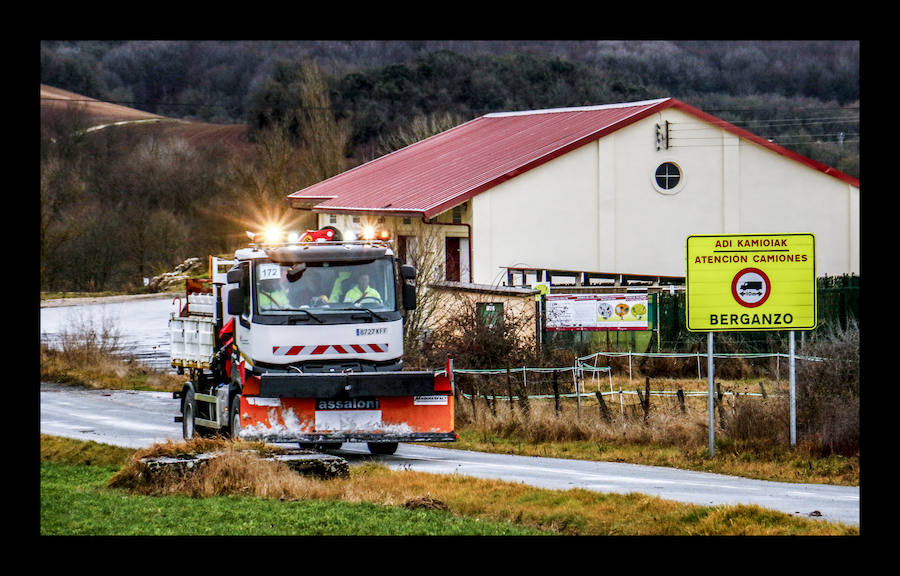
x=793, y=390
x=712, y=399
x=751, y=283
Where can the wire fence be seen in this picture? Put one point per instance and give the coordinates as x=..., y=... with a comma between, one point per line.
x=698, y=355
x=587, y=368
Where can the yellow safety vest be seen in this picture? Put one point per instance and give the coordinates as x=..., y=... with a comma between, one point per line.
x=355, y=294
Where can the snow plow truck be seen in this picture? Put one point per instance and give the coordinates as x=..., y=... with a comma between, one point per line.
x=302, y=341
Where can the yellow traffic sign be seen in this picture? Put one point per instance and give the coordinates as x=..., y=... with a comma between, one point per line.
x=751, y=282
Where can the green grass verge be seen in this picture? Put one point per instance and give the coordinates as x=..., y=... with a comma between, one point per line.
x=76, y=501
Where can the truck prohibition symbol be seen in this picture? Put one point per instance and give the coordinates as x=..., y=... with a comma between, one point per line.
x=751, y=288
x=303, y=342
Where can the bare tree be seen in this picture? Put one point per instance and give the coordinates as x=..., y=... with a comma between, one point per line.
x=420, y=128
x=481, y=341
x=324, y=138
x=280, y=165
x=425, y=251
x=271, y=171
x=260, y=183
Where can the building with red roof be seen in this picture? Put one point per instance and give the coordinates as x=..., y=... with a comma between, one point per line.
x=598, y=194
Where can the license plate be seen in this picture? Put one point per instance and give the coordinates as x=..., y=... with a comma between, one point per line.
x=348, y=420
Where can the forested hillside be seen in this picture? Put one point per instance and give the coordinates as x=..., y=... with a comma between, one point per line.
x=119, y=205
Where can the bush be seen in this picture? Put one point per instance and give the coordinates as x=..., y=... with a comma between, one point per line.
x=476, y=343
x=758, y=420
x=828, y=392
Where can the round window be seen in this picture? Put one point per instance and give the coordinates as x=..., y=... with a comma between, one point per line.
x=668, y=178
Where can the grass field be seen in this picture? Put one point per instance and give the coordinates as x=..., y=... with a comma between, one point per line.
x=79, y=497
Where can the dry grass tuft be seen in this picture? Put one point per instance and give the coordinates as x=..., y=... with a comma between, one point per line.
x=240, y=469
x=426, y=503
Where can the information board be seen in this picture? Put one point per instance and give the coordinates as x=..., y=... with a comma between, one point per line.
x=751, y=282
x=597, y=311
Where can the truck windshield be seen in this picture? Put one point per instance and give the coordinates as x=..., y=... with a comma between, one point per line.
x=325, y=287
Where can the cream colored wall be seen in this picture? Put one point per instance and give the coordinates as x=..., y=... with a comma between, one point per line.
x=528, y=221
x=596, y=208
x=788, y=197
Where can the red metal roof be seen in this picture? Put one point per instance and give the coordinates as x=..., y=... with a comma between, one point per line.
x=435, y=174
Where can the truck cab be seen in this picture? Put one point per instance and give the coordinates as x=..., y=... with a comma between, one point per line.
x=321, y=309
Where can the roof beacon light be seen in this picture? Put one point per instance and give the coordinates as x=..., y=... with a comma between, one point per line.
x=273, y=235
x=323, y=235
x=370, y=233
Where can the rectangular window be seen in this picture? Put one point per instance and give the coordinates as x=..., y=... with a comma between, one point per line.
x=451, y=247
x=489, y=314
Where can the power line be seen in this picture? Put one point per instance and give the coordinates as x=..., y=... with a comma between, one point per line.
x=756, y=124
x=793, y=109
x=779, y=141
x=791, y=136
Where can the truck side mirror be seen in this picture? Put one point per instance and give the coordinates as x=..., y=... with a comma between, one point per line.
x=408, y=274
x=409, y=296
x=234, y=276
x=235, y=299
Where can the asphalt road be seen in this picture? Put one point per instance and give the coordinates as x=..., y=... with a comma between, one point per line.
x=137, y=419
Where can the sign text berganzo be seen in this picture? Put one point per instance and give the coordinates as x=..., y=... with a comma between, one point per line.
x=751, y=282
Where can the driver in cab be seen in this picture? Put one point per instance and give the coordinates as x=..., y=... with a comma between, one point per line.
x=361, y=291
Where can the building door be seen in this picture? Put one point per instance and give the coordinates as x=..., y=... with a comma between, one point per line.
x=451, y=249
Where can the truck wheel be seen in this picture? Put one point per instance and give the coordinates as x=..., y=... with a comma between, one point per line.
x=188, y=411
x=234, y=418
x=383, y=448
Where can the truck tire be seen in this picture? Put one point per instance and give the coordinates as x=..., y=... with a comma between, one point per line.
x=188, y=411
x=382, y=448
x=189, y=428
x=234, y=418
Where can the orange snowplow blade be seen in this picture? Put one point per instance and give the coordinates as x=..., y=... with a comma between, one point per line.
x=397, y=419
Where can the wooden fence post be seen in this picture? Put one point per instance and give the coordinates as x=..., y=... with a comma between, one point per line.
x=604, y=411
x=523, y=399
x=492, y=401
x=762, y=389
x=645, y=400
x=719, y=398
x=680, y=394
x=556, y=391
x=487, y=401
x=509, y=391
x=474, y=397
